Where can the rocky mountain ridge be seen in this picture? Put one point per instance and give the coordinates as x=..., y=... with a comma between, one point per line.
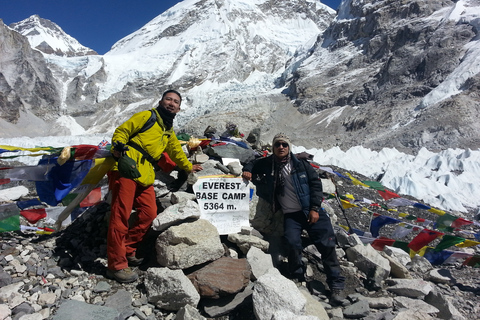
x=380, y=73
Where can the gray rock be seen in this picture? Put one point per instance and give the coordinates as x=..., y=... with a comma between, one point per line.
x=259, y=262
x=245, y=242
x=72, y=309
x=412, y=288
x=273, y=292
x=357, y=310
x=444, y=304
x=175, y=214
x=415, y=305
x=170, y=289
x=224, y=305
x=188, y=313
x=122, y=301
x=190, y=244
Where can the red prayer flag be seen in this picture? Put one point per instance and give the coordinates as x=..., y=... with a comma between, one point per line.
x=4, y=181
x=83, y=151
x=460, y=222
x=423, y=238
x=33, y=215
x=388, y=194
x=381, y=242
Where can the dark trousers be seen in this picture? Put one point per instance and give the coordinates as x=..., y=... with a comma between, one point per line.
x=323, y=237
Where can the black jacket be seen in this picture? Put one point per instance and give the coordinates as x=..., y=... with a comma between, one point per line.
x=307, y=185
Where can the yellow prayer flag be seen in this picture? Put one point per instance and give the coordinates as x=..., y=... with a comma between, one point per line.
x=439, y=212
x=403, y=215
x=347, y=204
x=100, y=169
x=350, y=196
x=356, y=181
x=467, y=243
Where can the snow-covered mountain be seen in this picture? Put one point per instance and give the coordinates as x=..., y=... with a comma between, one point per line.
x=49, y=38
x=380, y=73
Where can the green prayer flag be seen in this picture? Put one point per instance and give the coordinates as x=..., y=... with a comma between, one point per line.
x=374, y=185
x=448, y=241
x=402, y=245
x=10, y=224
x=445, y=220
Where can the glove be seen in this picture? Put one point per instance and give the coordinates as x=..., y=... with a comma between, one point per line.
x=120, y=147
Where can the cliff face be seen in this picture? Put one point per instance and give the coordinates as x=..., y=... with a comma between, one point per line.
x=385, y=88
x=26, y=83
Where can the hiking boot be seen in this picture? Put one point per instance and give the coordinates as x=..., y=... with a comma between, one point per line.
x=134, y=261
x=336, y=297
x=123, y=276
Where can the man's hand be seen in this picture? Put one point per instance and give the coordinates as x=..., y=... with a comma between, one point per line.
x=196, y=168
x=313, y=217
x=247, y=175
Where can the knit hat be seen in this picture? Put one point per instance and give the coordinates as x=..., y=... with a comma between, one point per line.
x=282, y=137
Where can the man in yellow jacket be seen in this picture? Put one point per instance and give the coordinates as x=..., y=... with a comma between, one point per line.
x=138, y=192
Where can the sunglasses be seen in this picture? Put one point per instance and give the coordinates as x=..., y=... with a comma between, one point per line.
x=283, y=144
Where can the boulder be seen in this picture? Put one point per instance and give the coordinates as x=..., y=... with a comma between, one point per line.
x=170, y=289
x=189, y=244
x=221, y=277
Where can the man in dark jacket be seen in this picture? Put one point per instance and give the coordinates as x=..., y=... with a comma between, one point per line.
x=293, y=186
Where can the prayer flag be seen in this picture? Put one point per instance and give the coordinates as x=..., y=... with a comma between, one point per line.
x=401, y=232
x=374, y=185
x=423, y=238
x=468, y=243
x=356, y=181
x=381, y=242
x=446, y=220
x=387, y=195
x=400, y=202
x=437, y=257
x=460, y=222
x=347, y=204
x=448, y=241
x=33, y=215
x=421, y=206
x=28, y=203
x=379, y=222
x=10, y=224
x=439, y=212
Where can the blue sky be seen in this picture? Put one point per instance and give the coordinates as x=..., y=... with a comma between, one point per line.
x=96, y=24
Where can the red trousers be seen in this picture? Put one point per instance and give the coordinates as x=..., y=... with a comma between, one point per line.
x=123, y=241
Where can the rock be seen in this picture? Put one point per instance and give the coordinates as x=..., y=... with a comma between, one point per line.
x=221, y=277
x=397, y=254
x=121, y=301
x=435, y=276
x=444, y=304
x=313, y=306
x=419, y=265
x=259, y=262
x=190, y=244
x=273, y=292
x=182, y=197
x=170, y=289
x=188, y=313
x=71, y=309
x=415, y=305
x=412, y=315
x=224, y=305
x=412, y=288
x=175, y=214
x=245, y=242
x=367, y=259
x=357, y=310
x=397, y=269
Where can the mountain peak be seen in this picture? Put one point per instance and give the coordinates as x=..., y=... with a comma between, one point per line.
x=46, y=36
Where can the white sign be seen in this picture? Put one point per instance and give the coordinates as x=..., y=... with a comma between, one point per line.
x=224, y=202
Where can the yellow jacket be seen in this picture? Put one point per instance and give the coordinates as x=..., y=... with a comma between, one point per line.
x=155, y=141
